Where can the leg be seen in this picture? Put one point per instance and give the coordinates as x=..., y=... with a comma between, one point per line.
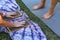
x=51, y=10
x=40, y=5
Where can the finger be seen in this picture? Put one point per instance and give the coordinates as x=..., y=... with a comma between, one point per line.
x=22, y=22
x=18, y=25
x=10, y=16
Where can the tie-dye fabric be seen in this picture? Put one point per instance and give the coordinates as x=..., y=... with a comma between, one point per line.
x=8, y=5
x=32, y=32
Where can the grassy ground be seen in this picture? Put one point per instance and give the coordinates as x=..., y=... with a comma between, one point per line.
x=4, y=36
x=48, y=32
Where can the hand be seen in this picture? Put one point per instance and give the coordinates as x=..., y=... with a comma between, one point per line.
x=5, y=23
x=18, y=24
x=10, y=14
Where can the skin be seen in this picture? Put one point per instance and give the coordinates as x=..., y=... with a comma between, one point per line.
x=4, y=22
x=50, y=11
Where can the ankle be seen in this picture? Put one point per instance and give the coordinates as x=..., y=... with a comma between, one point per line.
x=51, y=12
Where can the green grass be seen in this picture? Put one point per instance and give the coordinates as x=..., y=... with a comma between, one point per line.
x=4, y=36
x=48, y=32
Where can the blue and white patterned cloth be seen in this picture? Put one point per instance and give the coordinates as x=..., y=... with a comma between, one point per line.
x=32, y=32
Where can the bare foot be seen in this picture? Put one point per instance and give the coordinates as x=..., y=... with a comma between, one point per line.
x=38, y=6
x=48, y=15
